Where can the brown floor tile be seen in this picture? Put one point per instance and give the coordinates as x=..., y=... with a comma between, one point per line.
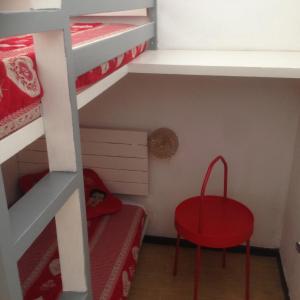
x=154, y=279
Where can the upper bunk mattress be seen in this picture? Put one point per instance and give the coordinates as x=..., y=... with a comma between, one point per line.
x=20, y=88
x=114, y=242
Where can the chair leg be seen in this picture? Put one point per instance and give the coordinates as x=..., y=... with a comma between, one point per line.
x=176, y=255
x=197, y=272
x=224, y=258
x=247, y=291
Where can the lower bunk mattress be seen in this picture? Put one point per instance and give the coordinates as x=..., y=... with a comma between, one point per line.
x=114, y=243
x=20, y=88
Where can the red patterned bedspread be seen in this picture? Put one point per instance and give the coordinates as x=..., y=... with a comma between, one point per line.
x=114, y=242
x=20, y=88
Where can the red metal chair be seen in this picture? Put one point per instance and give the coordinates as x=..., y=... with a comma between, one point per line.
x=214, y=222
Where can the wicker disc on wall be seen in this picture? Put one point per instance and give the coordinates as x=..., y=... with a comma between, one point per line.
x=163, y=143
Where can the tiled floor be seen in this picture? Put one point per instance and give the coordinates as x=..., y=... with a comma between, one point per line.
x=154, y=279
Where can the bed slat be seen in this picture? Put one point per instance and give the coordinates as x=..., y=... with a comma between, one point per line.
x=79, y=7
x=113, y=136
x=110, y=149
x=123, y=175
x=18, y=23
x=102, y=148
x=91, y=55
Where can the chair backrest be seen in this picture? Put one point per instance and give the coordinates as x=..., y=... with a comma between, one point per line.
x=208, y=173
x=119, y=157
x=205, y=182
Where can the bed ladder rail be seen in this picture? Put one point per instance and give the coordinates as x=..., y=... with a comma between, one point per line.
x=33, y=212
x=27, y=219
x=18, y=23
x=73, y=296
x=9, y=276
x=62, y=189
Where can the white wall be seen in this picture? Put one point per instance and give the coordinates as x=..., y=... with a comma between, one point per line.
x=28, y=4
x=252, y=122
x=291, y=229
x=14, y=5
x=230, y=24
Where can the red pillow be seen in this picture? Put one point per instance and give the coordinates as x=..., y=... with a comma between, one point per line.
x=99, y=200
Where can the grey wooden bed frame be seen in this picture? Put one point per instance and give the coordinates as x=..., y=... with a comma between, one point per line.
x=62, y=189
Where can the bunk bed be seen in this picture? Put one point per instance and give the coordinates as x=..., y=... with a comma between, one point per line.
x=78, y=75
x=62, y=188
x=114, y=242
x=21, y=91
x=114, y=237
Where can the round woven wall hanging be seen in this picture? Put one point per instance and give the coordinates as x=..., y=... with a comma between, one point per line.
x=163, y=143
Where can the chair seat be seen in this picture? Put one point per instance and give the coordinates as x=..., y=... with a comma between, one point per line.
x=224, y=222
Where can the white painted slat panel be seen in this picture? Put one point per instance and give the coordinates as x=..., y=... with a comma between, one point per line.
x=110, y=149
x=119, y=181
x=120, y=157
x=91, y=161
x=128, y=188
x=116, y=163
x=101, y=148
x=113, y=136
x=105, y=174
x=122, y=175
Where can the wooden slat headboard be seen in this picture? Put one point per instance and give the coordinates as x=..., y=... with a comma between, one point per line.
x=120, y=157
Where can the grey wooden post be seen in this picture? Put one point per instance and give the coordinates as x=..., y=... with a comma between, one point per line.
x=10, y=288
x=63, y=144
x=152, y=13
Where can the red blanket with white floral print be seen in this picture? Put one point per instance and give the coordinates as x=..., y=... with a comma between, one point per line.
x=20, y=88
x=114, y=242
